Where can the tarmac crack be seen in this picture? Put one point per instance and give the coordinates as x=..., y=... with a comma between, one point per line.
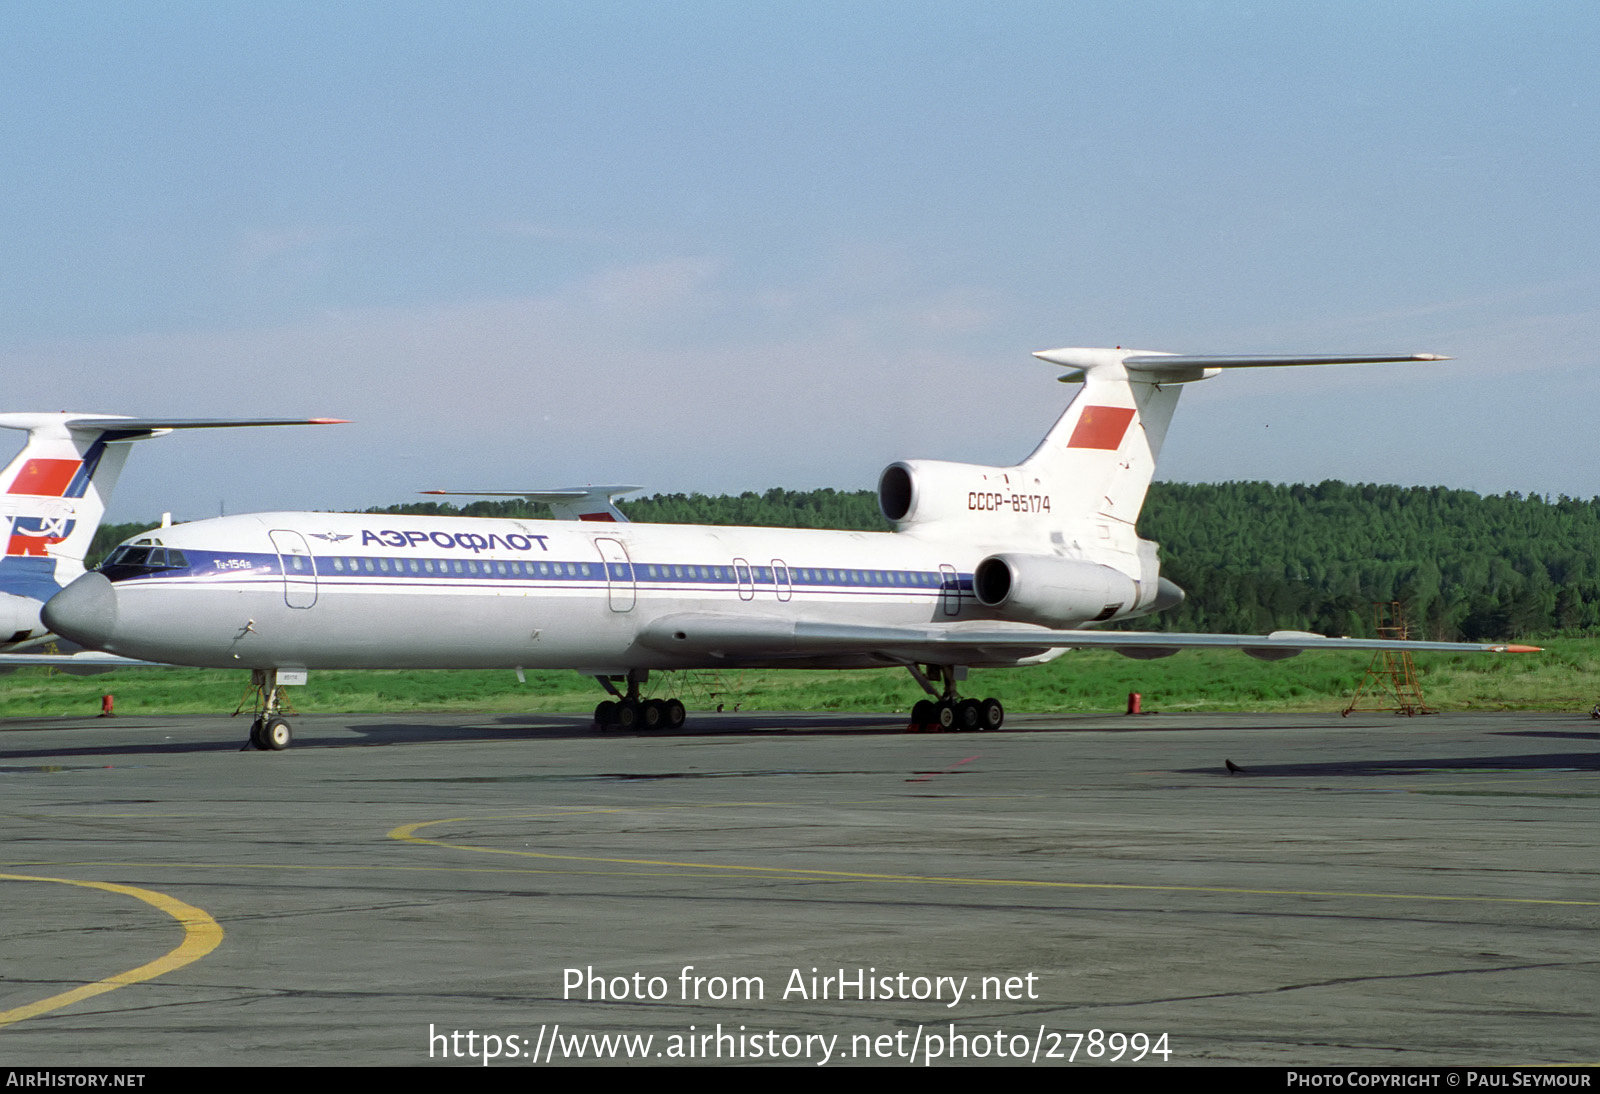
x=1345, y=980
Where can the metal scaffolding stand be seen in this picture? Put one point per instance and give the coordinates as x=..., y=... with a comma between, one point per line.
x=713, y=690
x=1391, y=680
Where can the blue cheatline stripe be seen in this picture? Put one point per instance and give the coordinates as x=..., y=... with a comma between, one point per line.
x=339, y=569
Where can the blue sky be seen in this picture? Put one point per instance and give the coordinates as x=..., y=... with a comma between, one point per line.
x=719, y=246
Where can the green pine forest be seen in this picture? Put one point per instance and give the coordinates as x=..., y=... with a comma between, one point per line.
x=1255, y=557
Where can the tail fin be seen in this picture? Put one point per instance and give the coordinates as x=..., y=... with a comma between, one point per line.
x=1080, y=492
x=54, y=494
x=1101, y=454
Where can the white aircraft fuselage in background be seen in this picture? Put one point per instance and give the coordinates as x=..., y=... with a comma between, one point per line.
x=988, y=566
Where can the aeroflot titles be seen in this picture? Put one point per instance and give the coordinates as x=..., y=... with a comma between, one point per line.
x=470, y=541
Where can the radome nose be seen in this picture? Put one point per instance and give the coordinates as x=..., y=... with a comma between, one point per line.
x=85, y=611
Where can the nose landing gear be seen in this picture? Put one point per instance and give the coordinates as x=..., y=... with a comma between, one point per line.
x=271, y=734
x=269, y=730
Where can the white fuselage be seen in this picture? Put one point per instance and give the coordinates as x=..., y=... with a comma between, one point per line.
x=324, y=590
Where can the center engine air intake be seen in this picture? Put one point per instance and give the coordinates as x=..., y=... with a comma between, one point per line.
x=896, y=493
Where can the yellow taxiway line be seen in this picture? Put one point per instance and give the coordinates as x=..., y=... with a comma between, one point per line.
x=201, y=935
x=407, y=833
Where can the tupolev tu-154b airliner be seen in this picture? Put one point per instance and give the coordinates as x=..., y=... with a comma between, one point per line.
x=987, y=566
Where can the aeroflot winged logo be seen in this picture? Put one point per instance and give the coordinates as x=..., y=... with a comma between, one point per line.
x=1101, y=427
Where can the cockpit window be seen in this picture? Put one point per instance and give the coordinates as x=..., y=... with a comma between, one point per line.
x=131, y=560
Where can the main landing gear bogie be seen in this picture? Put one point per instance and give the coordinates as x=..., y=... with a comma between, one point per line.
x=629, y=714
x=958, y=715
x=946, y=711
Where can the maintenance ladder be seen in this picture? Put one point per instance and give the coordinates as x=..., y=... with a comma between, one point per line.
x=1391, y=680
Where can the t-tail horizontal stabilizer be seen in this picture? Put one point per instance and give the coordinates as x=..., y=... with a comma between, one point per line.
x=1153, y=366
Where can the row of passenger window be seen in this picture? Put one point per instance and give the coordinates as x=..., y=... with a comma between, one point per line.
x=724, y=575
x=458, y=567
x=781, y=575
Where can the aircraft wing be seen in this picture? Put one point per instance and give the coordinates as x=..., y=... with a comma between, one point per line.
x=736, y=637
x=593, y=503
x=82, y=659
x=161, y=425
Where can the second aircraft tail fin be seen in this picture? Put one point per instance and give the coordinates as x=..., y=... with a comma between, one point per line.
x=54, y=493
